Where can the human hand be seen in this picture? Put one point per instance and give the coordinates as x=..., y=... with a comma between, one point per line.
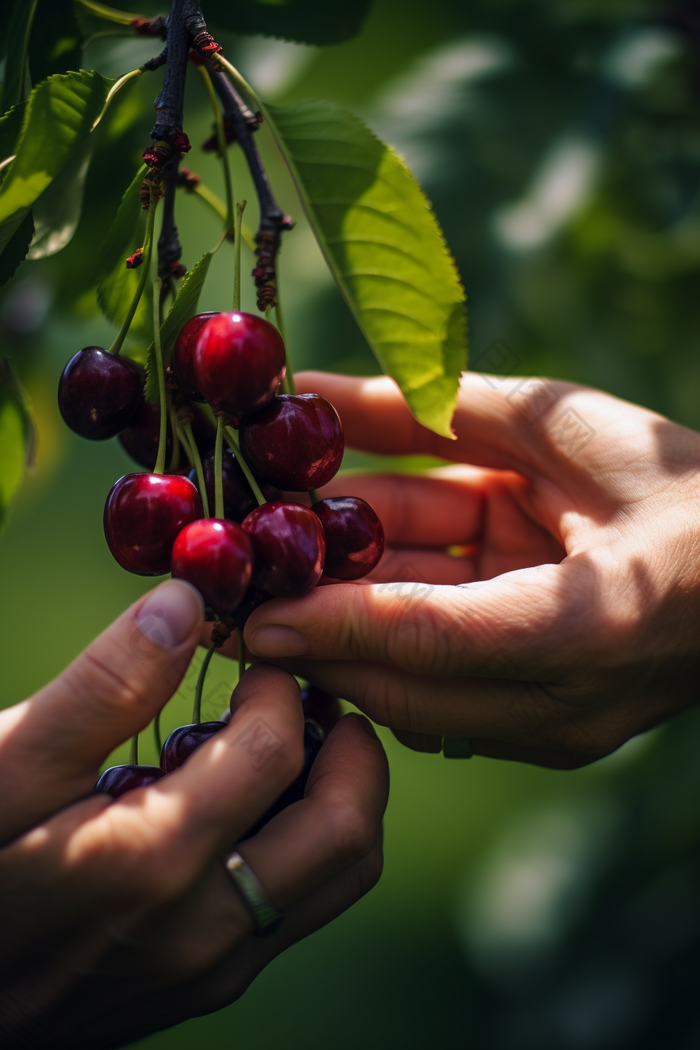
x=575, y=625
x=119, y=918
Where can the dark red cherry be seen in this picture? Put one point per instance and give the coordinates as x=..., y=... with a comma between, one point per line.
x=354, y=536
x=183, y=356
x=140, y=439
x=216, y=557
x=238, y=362
x=239, y=500
x=143, y=515
x=98, y=392
x=117, y=780
x=313, y=741
x=322, y=707
x=288, y=546
x=184, y=740
x=252, y=600
x=296, y=442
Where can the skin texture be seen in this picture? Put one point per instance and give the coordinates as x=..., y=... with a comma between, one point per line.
x=118, y=917
x=577, y=627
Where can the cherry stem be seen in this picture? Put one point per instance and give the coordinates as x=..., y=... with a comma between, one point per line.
x=209, y=198
x=163, y=438
x=241, y=653
x=177, y=426
x=175, y=457
x=156, y=733
x=218, y=467
x=143, y=280
x=240, y=208
x=134, y=751
x=194, y=451
x=221, y=142
x=234, y=445
x=197, y=709
x=122, y=18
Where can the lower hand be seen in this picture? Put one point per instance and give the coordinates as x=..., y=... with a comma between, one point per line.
x=119, y=918
x=570, y=622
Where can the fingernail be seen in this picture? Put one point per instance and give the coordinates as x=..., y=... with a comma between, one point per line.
x=169, y=615
x=274, y=641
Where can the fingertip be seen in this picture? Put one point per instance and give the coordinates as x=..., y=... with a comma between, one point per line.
x=170, y=614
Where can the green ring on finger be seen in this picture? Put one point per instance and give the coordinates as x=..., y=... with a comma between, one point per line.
x=267, y=918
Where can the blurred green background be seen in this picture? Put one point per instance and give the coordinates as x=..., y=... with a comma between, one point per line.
x=560, y=143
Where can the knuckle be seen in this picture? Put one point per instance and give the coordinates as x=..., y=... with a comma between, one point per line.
x=92, y=678
x=353, y=833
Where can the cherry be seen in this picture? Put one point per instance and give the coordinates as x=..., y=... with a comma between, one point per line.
x=354, y=536
x=184, y=740
x=296, y=442
x=239, y=500
x=238, y=362
x=217, y=558
x=140, y=438
x=98, y=393
x=313, y=741
x=321, y=706
x=252, y=600
x=117, y=780
x=143, y=515
x=183, y=355
x=289, y=547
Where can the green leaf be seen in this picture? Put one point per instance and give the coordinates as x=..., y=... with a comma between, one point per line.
x=123, y=236
x=184, y=307
x=57, y=212
x=57, y=121
x=10, y=131
x=16, y=83
x=17, y=248
x=17, y=437
x=306, y=21
x=385, y=249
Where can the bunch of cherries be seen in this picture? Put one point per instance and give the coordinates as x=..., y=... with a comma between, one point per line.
x=266, y=544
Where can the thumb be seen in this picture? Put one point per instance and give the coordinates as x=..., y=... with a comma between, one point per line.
x=52, y=745
x=513, y=626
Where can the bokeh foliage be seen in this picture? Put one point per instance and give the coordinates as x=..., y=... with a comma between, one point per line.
x=560, y=143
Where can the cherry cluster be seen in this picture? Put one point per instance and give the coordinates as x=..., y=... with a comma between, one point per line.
x=272, y=537
x=291, y=443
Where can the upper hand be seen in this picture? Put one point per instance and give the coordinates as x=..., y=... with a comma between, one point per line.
x=118, y=918
x=577, y=627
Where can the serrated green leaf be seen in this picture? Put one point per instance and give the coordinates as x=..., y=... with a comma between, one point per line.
x=306, y=21
x=57, y=212
x=16, y=84
x=385, y=249
x=17, y=437
x=10, y=130
x=123, y=236
x=184, y=307
x=57, y=121
x=17, y=248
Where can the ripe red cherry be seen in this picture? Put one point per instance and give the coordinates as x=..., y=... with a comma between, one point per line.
x=143, y=515
x=216, y=557
x=183, y=356
x=117, y=780
x=238, y=362
x=239, y=500
x=289, y=547
x=140, y=438
x=322, y=707
x=184, y=740
x=296, y=442
x=354, y=536
x=98, y=393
